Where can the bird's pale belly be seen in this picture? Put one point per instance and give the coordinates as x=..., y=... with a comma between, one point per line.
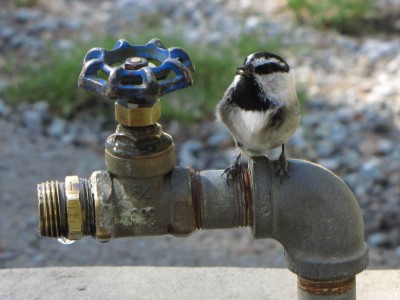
x=256, y=139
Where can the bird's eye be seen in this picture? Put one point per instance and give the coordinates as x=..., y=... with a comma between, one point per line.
x=269, y=68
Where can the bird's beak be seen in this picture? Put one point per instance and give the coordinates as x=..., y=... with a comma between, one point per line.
x=243, y=71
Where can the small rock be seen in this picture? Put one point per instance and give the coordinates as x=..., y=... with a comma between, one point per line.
x=371, y=169
x=385, y=146
x=351, y=179
x=324, y=148
x=311, y=120
x=330, y=164
x=57, y=127
x=338, y=134
x=323, y=131
x=345, y=115
x=85, y=138
x=380, y=147
x=220, y=138
x=368, y=147
x=189, y=152
x=24, y=15
x=39, y=257
x=221, y=159
x=8, y=255
x=174, y=128
x=350, y=159
x=5, y=110
x=375, y=48
x=48, y=25
x=65, y=44
x=68, y=138
x=18, y=40
x=43, y=108
x=71, y=134
x=7, y=32
x=297, y=140
x=378, y=239
x=394, y=65
x=318, y=104
x=33, y=44
x=251, y=24
x=378, y=120
x=71, y=24
x=35, y=116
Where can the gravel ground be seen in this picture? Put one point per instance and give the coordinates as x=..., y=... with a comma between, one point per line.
x=351, y=125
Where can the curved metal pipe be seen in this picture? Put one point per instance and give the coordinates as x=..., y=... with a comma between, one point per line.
x=316, y=218
x=313, y=214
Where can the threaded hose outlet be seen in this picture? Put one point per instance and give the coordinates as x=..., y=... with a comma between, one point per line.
x=66, y=209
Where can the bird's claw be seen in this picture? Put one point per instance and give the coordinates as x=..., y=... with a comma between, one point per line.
x=233, y=170
x=282, y=173
x=283, y=167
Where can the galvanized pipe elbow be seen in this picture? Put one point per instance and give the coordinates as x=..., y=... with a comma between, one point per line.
x=314, y=215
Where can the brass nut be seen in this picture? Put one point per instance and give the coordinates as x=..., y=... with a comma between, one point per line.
x=74, y=210
x=135, y=116
x=158, y=163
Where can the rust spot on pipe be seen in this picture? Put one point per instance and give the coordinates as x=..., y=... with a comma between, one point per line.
x=326, y=287
x=245, y=198
x=197, y=197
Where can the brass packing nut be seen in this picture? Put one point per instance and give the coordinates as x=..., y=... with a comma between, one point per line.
x=155, y=164
x=74, y=209
x=135, y=116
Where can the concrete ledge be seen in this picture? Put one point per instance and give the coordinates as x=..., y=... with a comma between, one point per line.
x=174, y=283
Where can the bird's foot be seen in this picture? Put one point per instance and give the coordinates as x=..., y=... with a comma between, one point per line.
x=283, y=166
x=233, y=170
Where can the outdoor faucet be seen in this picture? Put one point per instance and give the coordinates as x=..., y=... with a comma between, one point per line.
x=313, y=214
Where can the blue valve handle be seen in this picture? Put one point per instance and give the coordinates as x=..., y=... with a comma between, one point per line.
x=148, y=82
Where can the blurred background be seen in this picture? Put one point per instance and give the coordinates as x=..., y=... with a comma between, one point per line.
x=347, y=62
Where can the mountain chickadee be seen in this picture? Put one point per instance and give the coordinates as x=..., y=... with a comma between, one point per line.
x=260, y=108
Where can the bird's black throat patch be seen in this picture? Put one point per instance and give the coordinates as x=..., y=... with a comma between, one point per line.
x=248, y=96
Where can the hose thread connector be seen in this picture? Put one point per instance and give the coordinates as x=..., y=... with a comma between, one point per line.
x=66, y=210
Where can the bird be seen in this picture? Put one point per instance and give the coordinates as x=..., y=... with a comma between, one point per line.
x=261, y=109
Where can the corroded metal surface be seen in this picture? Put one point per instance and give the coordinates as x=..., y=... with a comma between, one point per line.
x=326, y=287
x=140, y=152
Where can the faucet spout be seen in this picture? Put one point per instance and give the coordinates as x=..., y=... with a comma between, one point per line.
x=314, y=215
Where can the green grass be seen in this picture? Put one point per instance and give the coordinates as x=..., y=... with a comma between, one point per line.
x=54, y=78
x=26, y=3
x=346, y=16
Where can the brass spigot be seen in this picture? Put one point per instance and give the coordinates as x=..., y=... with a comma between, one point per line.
x=138, y=148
